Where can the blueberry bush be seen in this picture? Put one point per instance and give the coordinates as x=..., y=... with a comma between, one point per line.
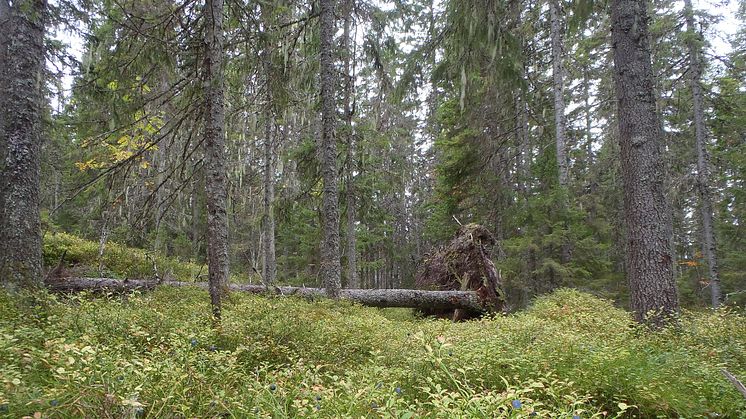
x=157, y=355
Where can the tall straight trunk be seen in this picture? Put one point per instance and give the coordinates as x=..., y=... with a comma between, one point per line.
x=352, y=276
x=703, y=159
x=588, y=119
x=647, y=212
x=524, y=143
x=215, y=175
x=160, y=167
x=21, y=70
x=159, y=243
x=331, y=268
x=558, y=90
x=558, y=74
x=269, y=267
x=353, y=280
x=5, y=31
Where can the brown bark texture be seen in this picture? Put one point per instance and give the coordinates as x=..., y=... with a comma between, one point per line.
x=330, y=266
x=215, y=172
x=647, y=213
x=21, y=100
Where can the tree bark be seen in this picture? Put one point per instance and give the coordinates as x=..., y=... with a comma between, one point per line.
x=21, y=70
x=558, y=75
x=353, y=280
x=6, y=29
x=215, y=175
x=588, y=120
x=420, y=299
x=269, y=267
x=524, y=144
x=330, y=267
x=703, y=159
x=558, y=90
x=646, y=210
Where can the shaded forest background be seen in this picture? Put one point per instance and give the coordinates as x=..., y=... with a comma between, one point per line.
x=445, y=114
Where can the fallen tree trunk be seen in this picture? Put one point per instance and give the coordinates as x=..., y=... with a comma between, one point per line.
x=419, y=299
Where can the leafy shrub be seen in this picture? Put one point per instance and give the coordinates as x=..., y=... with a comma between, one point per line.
x=157, y=355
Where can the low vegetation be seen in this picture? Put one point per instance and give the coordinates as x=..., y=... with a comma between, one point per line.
x=81, y=258
x=157, y=355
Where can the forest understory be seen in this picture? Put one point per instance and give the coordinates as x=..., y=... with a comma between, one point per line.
x=157, y=355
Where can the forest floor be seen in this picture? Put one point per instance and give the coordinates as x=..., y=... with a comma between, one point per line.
x=158, y=355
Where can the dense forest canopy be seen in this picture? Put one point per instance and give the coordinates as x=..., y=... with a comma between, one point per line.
x=336, y=143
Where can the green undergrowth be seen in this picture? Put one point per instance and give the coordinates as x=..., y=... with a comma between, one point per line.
x=118, y=261
x=158, y=355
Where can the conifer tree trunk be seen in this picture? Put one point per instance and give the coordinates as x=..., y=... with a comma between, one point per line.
x=215, y=174
x=558, y=90
x=330, y=266
x=703, y=160
x=558, y=75
x=5, y=31
x=352, y=276
x=646, y=211
x=160, y=167
x=21, y=101
x=588, y=120
x=269, y=267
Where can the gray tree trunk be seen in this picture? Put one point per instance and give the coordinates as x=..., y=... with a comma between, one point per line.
x=353, y=281
x=269, y=267
x=588, y=120
x=215, y=175
x=21, y=70
x=6, y=28
x=703, y=159
x=420, y=299
x=558, y=89
x=524, y=143
x=160, y=167
x=5, y=31
x=646, y=211
x=330, y=267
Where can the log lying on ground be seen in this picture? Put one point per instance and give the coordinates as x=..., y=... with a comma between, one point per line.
x=419, y=299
